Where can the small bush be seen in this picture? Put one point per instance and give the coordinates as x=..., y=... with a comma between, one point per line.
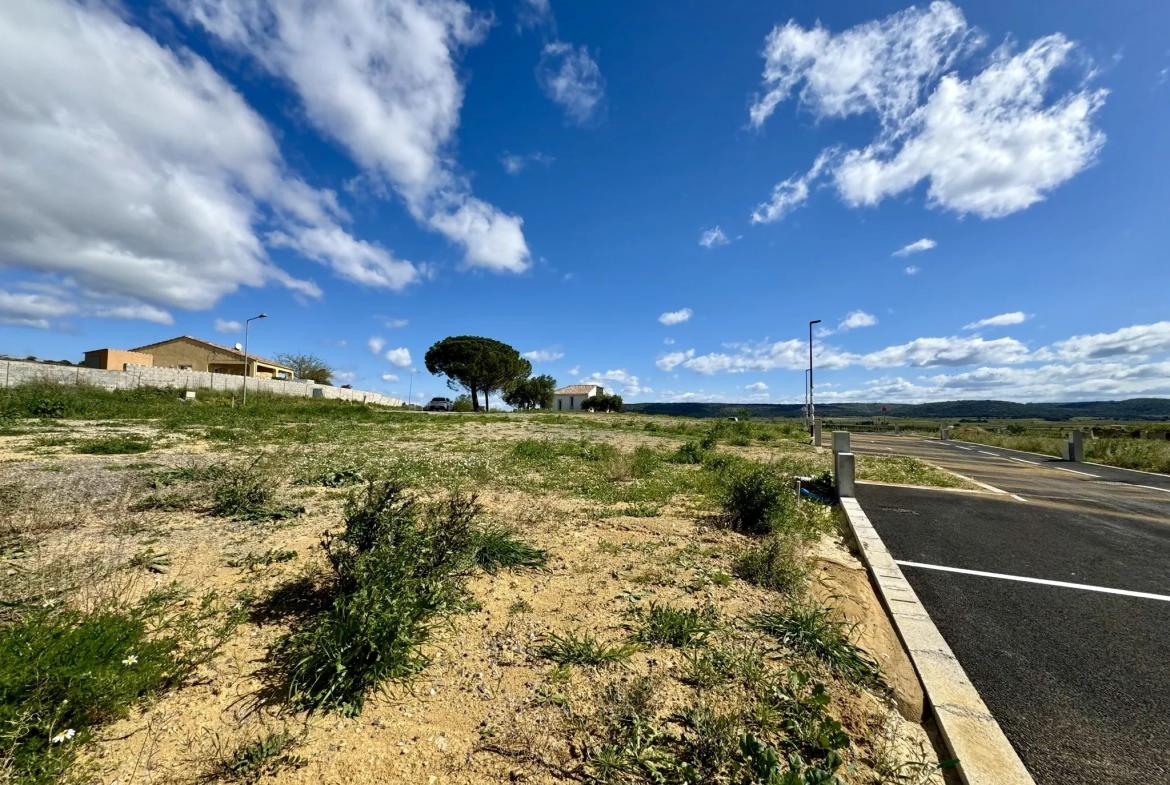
x=810, y=630
x=644, y=462
x=497, y=547
x=246, y=492
x=777, y=562
x=113, y=445
x=669, y=626
x=706, y=668
x=690, y=453
x=583, y=649
x=263, y=757
x=756, y=499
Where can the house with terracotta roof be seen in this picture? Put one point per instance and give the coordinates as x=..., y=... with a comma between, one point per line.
x=569, y=398
x=187, y=353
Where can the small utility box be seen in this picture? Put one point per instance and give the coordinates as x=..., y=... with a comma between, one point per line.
x=944, y=433
x=817, y=434
x=843, y=474
x=189, y=395
x=1074, y=448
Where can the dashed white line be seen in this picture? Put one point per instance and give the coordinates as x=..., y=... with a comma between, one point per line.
x=1018, y=497
x=985, y=452
x=961, y=447
x=1151, y=487
x=1062, y=584
x=1020, y=460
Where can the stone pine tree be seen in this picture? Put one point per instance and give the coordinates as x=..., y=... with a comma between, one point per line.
x=478, y=365
x=531, y=393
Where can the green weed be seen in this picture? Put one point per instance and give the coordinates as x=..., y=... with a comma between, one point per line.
x=666, y=625
x=810, y=630
x=574, y=648
x=496, y=547
x=756, y=498
x=776, y=562
x=264, y=757
x=113, y=445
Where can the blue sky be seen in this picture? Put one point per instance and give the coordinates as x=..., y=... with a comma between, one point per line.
x=656, y=196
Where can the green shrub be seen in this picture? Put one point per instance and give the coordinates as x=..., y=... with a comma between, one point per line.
x=776, y=562
x=246, y=492
x=810, y=630
x=643, y=462
x=756, y=499
x=669, y=626
x=495, y=547
x=602, y=403
x=262, y=758
x=113, y=445
x=690, y=453
x=64, y=672
x=463, y=404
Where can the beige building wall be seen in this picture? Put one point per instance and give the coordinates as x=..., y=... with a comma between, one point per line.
x=191, y=355
x=115, y=359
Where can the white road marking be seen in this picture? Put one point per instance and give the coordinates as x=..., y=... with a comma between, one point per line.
x=1062, y=584
x=1018, y=497
x=1150, y=487
x=985, y=452
x=961, y=447
x=1074, y=471
x=1021, y=460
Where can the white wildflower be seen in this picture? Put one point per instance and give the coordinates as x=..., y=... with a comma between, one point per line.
x=131, y=660
x=64, y=736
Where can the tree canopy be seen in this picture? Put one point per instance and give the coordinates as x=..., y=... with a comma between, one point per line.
x=602, y=403
x=478, y=365
x=308, y=366
x=531, y=393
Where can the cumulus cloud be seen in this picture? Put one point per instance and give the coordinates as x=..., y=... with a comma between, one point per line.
x=756, y=387
x=226, y=326
x=379, y=76
x=515, y=164
x=668, y=362
x=676, y=317
x=953, y=351
x=543, y=355
x=855, y=319
x=137, y=311
x=764, y=356
x=713, y=237
x=376, y=344
x=925, y=244
x=576, y=369
x=399, y=357
x=571, y=78
x=394, y=324
x=629, y=383
x=534, y=13
x=158, y=206
x=390, y=377
x=24, y=309
x=668, y=341
x=989, y=145
x=1004, y=319
x=1140, y=339
x=912, y=270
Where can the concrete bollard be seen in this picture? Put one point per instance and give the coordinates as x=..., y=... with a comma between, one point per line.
x=840, y=442
x=817, y=434
x=189, y=395
x=944, y=433
x=897, y=430
x=1074, y=448
x=843, y=474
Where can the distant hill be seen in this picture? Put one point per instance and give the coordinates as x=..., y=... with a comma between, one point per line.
x=1133, y=409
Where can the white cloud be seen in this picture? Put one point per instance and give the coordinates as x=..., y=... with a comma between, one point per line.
x=140, y=312
x=791, y=193
x=22, y=309
x=676, y=317
x=925, y=244
x=1004, y=319
x=543, y=355
x=629, y=382
x=389, y=377
x=756, y=387
x=713, y=237
x=399, y=357
x=225, y=326
x=376, y=344
x=790, y=355
x=349, y=377
x=989, y=145
x=855, y=319
x=534, y=13
x=379, y=76
x=668, y=341
x=1140, y=339
x=156, y=206
x=954, y=351
x=912, y=270
x=572, y=79
x=668, y=362
x=515, y=164
x=576, y=369
x=394, y=324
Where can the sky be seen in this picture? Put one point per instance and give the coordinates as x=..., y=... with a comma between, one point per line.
x=657, y=197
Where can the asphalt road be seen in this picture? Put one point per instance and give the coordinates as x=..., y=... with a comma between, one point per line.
x=1079, y=678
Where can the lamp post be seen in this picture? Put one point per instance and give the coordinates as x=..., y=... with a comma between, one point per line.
x=806, y=422
x=410, y=393
x=812, y=414
x=246, y=323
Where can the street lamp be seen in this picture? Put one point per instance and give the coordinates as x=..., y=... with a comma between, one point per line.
x=812, y=415
x=410, y=394
x=246, y=323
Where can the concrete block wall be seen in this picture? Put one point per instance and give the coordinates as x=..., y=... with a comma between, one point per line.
x=15, y=373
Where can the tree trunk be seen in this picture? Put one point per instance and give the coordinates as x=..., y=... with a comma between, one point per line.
x=486, y=408
x=474, y=399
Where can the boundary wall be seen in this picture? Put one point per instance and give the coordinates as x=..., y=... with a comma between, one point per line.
x=15, y=372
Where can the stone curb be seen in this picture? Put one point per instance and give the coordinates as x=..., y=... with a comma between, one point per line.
x=971, y=734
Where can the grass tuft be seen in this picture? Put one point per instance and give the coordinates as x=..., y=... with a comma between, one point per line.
x=666, y=625
x=497, y=546
x=261, y=758
x=113, y=445
x=776, y=562
x=574, y=648
x=810, y=630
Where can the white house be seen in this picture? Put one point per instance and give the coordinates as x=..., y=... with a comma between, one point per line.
x=570, y=397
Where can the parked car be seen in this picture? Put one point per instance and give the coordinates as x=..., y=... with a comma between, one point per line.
x=440, y=405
